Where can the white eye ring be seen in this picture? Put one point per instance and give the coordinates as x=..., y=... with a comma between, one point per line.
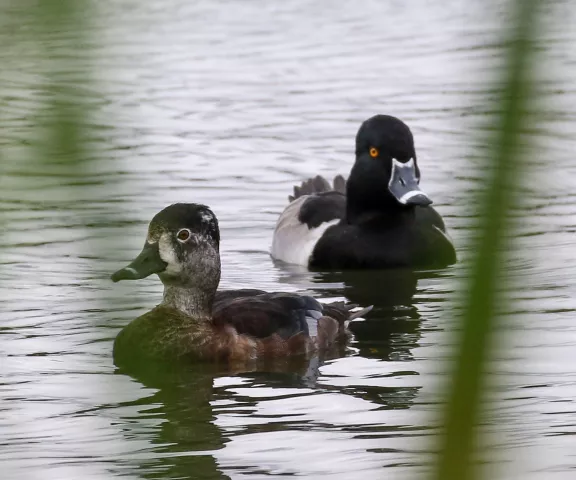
x=183, y=235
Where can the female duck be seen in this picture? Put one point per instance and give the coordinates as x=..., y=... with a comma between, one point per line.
x=379, y=218
x=195, y=321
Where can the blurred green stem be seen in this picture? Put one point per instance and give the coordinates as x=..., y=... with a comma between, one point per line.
x=65, y=109
x=479, y=318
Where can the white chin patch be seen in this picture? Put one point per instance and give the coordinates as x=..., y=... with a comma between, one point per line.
x=168, y=255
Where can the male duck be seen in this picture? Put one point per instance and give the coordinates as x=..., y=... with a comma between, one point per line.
x=379, y=218
x=195, y=321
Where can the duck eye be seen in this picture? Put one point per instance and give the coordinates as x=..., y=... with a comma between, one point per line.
x=183, y=235
x=374, y=152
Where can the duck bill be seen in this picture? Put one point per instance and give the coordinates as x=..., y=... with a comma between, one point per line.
x=404, y=186
x=145, y=264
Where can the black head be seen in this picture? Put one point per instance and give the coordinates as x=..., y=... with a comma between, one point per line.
x=195, y=218
x=386, y=173
x=182, y=247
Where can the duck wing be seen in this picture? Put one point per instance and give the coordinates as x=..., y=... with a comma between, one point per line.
x=224, y=296
x=264, y=315
x=429, y=216
x=314, y=207
x=284, y=315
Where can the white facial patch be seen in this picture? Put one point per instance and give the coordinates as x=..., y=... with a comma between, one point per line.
x=206, y=217
x=168, y=255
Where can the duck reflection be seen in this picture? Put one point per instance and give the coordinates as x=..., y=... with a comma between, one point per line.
x=186, y=431
x=385, y=289
x=393, y=327
x=182, y=404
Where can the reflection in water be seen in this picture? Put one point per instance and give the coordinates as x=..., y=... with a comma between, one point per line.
x=392, y=328
x=387, y=290
x=186, y=432
x=187, y=437
x=230, y=104
x=390, y=331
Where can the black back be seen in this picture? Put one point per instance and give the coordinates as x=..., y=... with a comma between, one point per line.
x=416, y=241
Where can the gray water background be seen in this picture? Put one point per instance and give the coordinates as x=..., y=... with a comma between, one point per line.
x=230, y=104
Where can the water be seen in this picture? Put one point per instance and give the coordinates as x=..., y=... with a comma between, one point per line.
x=230, y=104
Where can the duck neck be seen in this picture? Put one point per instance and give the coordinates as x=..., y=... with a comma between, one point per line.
x=367, y=195
x=193, y=301
x=193, y=288
x=364, y=206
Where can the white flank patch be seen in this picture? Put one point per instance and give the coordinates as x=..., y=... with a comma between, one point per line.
x=312, y=317
x=293, y=242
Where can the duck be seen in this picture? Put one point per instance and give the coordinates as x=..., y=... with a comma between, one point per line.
x=379, y=218
x=196, y=322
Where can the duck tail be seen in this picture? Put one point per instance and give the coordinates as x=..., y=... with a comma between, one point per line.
x=352, y=316
x=318, y=184
x=343, y=314
x=360, y=313
x=340, y=184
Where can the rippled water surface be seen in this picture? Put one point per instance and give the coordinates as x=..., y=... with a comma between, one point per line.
x=231, y=103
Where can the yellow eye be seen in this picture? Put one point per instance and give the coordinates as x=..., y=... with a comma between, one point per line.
x=373, y=152
x=183, y=235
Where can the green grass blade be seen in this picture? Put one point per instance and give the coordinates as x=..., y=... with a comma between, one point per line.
x=479, y=318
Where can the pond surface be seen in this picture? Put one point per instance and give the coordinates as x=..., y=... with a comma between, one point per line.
x=230, y=104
